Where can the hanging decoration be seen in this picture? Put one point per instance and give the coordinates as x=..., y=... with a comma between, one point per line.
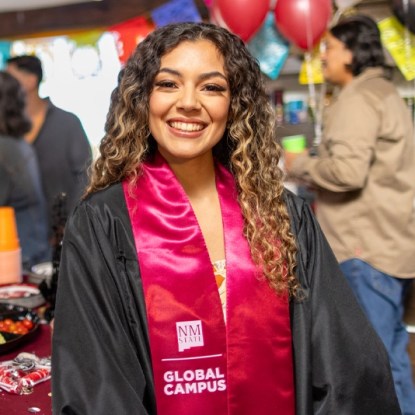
x=399, y=42
x=269, y=48
x=311, y=70
x=303, y=22
x=86, y=61
x=5, y=48
x=404, y=10
x=89, y=38
x=85, y=57
x=243, y=17
x=129, y=34
x=176, y=11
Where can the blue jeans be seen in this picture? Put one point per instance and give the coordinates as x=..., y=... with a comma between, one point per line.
x=382, y=299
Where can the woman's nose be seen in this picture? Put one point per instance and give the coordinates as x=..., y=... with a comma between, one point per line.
x=189, y=99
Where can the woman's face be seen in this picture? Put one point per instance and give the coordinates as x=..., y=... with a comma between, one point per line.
x=335, y=58
x=190, y=101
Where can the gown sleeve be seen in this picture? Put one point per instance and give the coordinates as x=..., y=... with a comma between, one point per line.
x=341, y=364
x=101, y=362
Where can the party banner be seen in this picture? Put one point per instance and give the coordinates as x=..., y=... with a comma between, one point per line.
x=399, y=42
x=269, y=48
x=129, y=34
x=5, y=48
x=89, y=38
x=176, y=11
x=311, y=70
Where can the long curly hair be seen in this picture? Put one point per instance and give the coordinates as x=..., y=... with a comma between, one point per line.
x=14, y=121
x=248, y=148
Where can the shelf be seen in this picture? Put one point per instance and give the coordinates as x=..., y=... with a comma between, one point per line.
x=306, y=128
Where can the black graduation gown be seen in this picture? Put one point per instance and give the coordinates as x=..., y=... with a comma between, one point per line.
x=101, y=357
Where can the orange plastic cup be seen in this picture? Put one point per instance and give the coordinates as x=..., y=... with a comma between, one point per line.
x=9, y=240
x=11, y=267
x=10, y=253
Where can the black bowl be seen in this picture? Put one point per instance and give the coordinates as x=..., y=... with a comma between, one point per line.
x=16, y=313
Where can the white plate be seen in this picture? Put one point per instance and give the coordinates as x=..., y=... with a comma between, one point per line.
x=40, y=272
x=44, y=268
x=21, y=294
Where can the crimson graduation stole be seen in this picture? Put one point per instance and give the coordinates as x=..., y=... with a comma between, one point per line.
x=200, y=365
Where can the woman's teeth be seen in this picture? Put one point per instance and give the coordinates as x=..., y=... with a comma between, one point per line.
x=184, y=126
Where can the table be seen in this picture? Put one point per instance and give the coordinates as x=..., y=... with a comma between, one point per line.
x=40, y=398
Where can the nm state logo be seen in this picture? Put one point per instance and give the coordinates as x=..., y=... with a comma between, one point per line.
x=189, y=334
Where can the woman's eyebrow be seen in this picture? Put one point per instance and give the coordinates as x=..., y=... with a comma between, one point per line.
x=203, y=76
x=212, y=74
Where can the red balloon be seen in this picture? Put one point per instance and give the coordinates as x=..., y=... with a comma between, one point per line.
x=216, y=17
x=303, y=22
x=243, y=17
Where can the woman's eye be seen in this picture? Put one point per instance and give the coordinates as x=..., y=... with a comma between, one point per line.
x=166, y=84
x=214, y=88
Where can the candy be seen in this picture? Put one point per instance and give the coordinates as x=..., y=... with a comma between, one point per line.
x=21, y=375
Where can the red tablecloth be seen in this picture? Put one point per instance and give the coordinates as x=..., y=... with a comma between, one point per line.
x=40, y=397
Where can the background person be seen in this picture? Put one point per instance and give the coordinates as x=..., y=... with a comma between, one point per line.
x=187, y=179
x=20, y=185
x=57, y=136
x=364, y=176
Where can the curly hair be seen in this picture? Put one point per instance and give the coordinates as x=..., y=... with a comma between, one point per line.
x=14, y=122
x=248, y=148
x=361, y=36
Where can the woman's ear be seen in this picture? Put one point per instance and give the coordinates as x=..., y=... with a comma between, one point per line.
x=348, y=56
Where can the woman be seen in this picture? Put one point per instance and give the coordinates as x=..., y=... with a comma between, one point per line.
x=20, y=185
x=187, y=182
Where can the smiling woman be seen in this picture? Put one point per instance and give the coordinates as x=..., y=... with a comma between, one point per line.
x=199, y=284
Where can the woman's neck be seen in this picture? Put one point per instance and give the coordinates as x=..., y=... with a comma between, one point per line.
x=197, y=176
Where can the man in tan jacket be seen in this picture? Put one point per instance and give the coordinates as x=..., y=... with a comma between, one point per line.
x=364, y=177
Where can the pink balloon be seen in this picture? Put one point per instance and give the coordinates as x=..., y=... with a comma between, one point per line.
x=303, y=22
x=243, y=17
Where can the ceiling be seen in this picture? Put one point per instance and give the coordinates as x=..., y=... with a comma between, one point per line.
x=13, y=5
